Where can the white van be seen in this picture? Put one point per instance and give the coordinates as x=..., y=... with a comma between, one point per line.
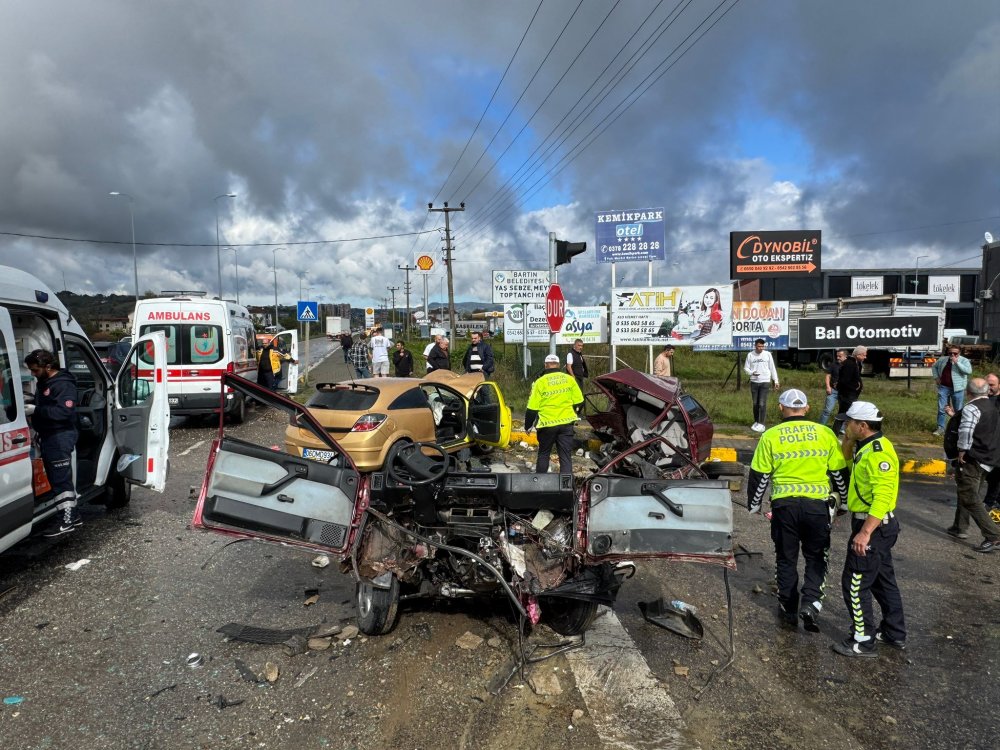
x=205, y=338
x=122, y=421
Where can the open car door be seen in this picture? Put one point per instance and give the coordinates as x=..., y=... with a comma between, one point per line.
x=489, y=417
x=255, y=491
x=630, y=517
x=141, y=418
x=288, y=342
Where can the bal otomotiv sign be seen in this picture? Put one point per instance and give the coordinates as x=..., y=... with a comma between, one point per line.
x=896, y=332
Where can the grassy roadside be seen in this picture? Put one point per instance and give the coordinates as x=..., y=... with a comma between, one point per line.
x=911, y=415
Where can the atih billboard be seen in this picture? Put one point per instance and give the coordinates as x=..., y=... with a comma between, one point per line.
x=755, y=255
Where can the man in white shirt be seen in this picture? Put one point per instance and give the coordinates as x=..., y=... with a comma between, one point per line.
x=759, y=365
x=379, y=345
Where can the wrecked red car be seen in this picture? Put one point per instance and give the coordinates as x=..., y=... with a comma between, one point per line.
x=427, y=526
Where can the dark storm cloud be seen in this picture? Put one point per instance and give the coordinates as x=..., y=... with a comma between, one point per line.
x=343, y=119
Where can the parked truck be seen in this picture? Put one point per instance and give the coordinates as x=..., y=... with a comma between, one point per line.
x=336, y=326
x=903, y=332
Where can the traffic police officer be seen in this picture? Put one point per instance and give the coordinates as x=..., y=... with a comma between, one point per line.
x=868, y=571
x=552, y=409
x=800, y=457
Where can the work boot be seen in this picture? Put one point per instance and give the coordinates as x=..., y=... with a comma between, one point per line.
x=852, y=648
x=892, y=642
x=809, y=615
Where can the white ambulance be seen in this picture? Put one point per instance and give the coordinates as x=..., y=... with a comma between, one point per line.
x=122, y=421
x=205, y=338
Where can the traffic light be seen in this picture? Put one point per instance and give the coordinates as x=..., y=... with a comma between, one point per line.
x=566, y=250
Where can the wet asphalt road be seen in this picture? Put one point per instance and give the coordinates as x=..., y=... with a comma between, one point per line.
x=98, y=655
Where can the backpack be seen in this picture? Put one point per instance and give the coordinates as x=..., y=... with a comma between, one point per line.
x=951, y=435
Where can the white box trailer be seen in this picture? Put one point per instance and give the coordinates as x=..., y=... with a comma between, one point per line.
x=337, y=325
x=894, y=327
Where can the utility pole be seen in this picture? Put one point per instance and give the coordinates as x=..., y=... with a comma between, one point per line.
x=392, y=290
x=447, y=259
x=406, y=290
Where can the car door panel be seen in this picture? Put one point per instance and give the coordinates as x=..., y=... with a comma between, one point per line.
x=489, y=418
x=288, y=341
x=141, y=417
x=260, y=491
x=17, y=499
x=633, y=517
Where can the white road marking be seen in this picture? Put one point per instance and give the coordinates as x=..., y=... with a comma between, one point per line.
x=199, y=443
x=629, y=708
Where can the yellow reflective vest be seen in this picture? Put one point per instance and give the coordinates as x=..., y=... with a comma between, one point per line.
x=874, y=478
x=553, y=396
x=798, y=454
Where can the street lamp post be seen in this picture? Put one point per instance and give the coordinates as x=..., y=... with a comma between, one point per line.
x=236, y=267
x=274, y=259
x=135, y=260
x=218, y=250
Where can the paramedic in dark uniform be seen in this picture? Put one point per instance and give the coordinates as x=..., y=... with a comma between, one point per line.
x=868, y=571
x=800, y=457
x=53, y=418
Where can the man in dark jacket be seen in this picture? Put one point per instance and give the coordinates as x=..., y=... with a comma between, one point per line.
x=978, y=452
x=849, y=383
x=346, y=342
x=402, y=360
x=479, y=356
x=438, y=358
x=53, y=418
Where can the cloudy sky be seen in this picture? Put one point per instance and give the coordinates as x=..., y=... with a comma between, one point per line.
x=335, y=123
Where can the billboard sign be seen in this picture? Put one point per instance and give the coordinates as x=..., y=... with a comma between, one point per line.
x=756, y=255
x=949, y=287
x=511, y=287
x=760, y=320
x=680, y=315
x=632, y=235
x=866, y=286
x=897, y=332
x=587, y=323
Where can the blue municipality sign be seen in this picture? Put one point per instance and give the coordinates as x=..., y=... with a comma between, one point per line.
x=308, y=312
x=632, y=235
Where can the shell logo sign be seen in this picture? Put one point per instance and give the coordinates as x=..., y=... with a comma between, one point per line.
x=425, y=263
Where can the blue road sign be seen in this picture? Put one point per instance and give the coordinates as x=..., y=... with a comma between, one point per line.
x=308, y=312
x=630, y=235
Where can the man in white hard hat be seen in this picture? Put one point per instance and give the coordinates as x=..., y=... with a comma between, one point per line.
x=868, y=570
x=552, y=409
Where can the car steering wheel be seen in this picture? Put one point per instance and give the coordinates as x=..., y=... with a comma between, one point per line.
x=417, y=469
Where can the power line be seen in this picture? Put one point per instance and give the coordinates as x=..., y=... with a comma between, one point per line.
x=188, y=244
x=489, y=103
x=594, y=133
x=523, y=92
x=534, y=163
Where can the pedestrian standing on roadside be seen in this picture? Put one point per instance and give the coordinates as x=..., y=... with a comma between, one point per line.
x=576, y=364
x=53, y=418
x=849, y=385
x=976, y=455
x=402, y=360
x=803, y=461
x=992, y=500
x=951, y=373
x=346, y=342
x=379, y=346
x=428, y=349
x=479, y=356
x=759, y=365
x=358, y=357
x=439, y=357
x=832, y=400
x=663, y=365
x=551, y=409
x=868, y=569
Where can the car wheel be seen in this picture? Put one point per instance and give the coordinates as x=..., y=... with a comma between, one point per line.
x=568, y=616
x=118, y=492
x=377, y=608
x=722, y=468
x=825, y=361
x=239, y=411
x=481, y=449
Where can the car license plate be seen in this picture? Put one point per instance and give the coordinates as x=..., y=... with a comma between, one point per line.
x=316, y=455
x=173, y=400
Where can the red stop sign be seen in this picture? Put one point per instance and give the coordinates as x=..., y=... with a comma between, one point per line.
x=555, y=308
